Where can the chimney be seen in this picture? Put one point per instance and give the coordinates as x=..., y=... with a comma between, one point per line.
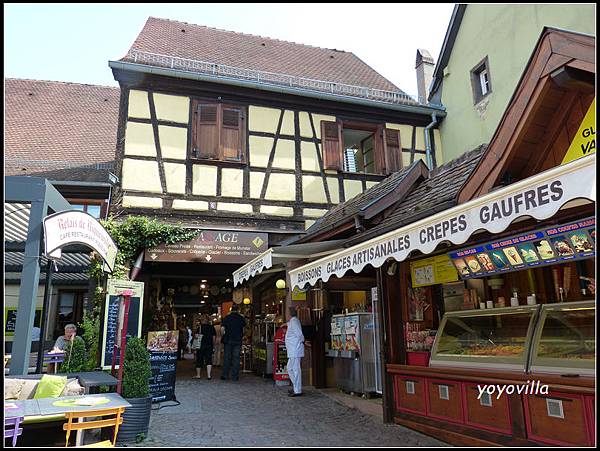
x=424, y=67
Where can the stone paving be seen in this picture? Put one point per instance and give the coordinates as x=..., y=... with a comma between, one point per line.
x=255, y=412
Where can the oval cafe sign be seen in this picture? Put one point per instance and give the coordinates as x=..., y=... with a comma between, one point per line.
x=77, y=227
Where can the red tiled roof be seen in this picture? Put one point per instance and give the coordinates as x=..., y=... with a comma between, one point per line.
x=197, y=42
x=62, y=129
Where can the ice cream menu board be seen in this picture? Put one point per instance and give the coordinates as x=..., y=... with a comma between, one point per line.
x=572, y=241
x=162, y=346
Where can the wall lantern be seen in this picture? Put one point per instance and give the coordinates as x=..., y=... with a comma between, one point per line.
x=246, y=301
x=280, y=284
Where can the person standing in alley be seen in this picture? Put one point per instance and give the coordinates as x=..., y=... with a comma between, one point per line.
x=204, y=355
x=294, y=344
x=233, y=324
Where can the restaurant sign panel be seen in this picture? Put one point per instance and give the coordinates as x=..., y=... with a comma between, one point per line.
x=212, y=246
x=573, y=241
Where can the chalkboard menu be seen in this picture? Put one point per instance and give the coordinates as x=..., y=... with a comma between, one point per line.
x=112, y=324
x=163, y=363
x=10, y=320
x=280, y=371
x=573, y=241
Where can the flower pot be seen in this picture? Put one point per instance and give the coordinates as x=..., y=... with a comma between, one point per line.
x=135, y=419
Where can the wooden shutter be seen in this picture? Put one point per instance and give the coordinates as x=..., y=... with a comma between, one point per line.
x=232, y=133
x=392, y=150
x=331, y=139
x=205, y=142
x=379, y=151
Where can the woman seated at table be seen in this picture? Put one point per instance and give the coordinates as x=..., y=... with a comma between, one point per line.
x=62, y=342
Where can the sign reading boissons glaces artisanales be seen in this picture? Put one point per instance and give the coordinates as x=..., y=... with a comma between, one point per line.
x=573, y=241
x=78, y=227
x=540, y=197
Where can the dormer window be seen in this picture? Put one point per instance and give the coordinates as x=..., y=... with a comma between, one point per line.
x=481, y=82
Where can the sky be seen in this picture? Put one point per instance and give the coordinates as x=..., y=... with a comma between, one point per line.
x=74, y=42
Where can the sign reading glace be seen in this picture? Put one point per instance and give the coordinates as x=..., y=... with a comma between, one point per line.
x=212, y=246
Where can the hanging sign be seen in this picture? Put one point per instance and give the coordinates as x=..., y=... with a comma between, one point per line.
x=584, y=142
x=162, y=346
x=432, y=271
x=574, y=241
x=112, y=313
x=539, y=197
x=78, y=227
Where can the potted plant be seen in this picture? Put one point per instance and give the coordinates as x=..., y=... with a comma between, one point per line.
x=74, y=356
x=135, y=389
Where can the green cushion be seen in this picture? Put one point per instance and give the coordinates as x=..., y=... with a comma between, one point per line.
x=50, y=386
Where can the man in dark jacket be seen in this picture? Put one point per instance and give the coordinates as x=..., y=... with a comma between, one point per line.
x=234, y=324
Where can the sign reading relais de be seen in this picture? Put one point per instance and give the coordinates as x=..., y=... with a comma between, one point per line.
x=212, y=246
x=540, y=197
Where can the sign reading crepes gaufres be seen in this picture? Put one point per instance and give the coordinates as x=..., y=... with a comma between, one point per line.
x=263, y=261
x=77, y=227
x=540, y=197
x=212, y=246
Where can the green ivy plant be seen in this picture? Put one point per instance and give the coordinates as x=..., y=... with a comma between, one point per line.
x=74, y=357
x=131, y=236
x=136, y=369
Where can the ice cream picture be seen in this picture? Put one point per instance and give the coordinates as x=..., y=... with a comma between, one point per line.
x=499, y=259
x=461, y=267
x=544, y=249
x=581, y=242
x=513, y=256
x=528, y=253
x=473, y=264
x=486, y=262
x=562, y=246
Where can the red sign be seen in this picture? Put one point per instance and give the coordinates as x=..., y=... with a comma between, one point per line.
x=280, y=356
x=212, y=246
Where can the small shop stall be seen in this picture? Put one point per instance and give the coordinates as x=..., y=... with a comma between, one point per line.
x=263, y=339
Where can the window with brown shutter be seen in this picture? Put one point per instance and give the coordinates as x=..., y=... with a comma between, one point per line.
x=392, y=150
x=218, y=132
x=331, y=138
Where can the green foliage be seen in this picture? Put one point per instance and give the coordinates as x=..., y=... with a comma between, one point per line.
x=136, y=369
x=74, y=357
x=90, y=327
x=140, y=437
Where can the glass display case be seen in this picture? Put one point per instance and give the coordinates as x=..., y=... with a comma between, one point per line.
x=487, y=339
x=565, y=339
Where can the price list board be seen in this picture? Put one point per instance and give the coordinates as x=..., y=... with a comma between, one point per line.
x=559, y=244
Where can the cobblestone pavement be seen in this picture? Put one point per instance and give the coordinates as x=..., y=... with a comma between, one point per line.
x=255, y=412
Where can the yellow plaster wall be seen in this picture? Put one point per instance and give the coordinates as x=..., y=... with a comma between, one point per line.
x=370, y=184
x=314, y=212
x=142, y=202
x=237, y=208
x=139, y=140
x=179, y=204
x=309, y=159
x=232, y=182
x=281, y=187
x=352, y=188
x=172, y=108
x=140, y=175
x=405, y=159
x=262, y=119
x=304, y=122
x=173, y=142
x=204, y=180
x=287, y=126
x=138, y=104
x=312, y=189
x=285, y=154
x=308, y=223
x=420, y=138
x=175, y=175
x=260, y=149
x=333, y=185
x=256, y=183
x=317, y=118
x=276, y=211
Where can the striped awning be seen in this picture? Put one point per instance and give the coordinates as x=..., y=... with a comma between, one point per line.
x=16, y=222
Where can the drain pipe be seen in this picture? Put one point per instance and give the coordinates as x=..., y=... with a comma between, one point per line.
x=428, y=141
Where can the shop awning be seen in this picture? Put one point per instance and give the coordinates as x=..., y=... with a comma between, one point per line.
x=284, y=254
x=539, y=197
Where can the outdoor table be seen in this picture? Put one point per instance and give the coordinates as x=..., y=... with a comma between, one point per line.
x=92, y=379
x=24, y=408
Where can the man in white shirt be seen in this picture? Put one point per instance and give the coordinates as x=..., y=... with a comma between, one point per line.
x=294, y=344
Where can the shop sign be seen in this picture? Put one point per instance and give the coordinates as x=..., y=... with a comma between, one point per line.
x=113, y=317
x=253, y=267
x=432, y=271
x=212, y=246
x=573, y=241
x=584, y=142
x=162, y=346
x=539, y=197
x=298, y=294
x=77, y=227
